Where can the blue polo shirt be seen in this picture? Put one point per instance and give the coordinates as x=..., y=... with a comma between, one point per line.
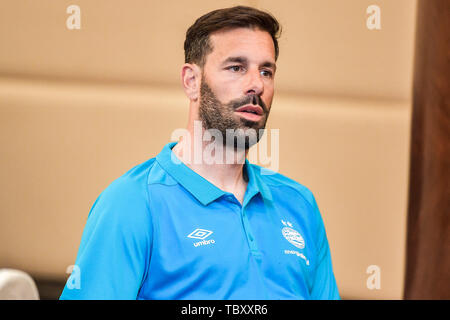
x=161, y=231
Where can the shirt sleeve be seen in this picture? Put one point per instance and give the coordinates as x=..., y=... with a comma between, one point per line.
x=324, y=284
x=114, y=252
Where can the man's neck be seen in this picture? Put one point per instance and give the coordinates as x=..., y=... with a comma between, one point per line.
x=224, y=170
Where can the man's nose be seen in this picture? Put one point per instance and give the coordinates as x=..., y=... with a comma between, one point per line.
x=255, y=84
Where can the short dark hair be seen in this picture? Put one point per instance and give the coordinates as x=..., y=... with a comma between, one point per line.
x=197, y=44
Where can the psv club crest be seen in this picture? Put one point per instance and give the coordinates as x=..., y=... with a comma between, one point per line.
x=291, y=235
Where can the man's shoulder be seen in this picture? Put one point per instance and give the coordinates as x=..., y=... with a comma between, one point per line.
x=129, y=188
x=123, y=204
x=276, y=180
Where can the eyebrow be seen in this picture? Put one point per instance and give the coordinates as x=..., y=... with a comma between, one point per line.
x=244, y=60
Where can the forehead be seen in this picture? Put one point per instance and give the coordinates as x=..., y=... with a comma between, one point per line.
x=254, y=44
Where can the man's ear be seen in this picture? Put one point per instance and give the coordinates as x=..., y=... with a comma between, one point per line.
x=190, y=79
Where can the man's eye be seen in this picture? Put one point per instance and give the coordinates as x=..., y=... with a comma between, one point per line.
x=235, y=68
x=267, y=73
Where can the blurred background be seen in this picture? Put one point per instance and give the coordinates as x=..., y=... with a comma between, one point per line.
x=80, y=107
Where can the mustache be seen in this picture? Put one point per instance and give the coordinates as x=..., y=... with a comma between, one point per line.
x=250, y=99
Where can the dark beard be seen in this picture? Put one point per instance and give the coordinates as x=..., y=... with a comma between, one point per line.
x=215, y=115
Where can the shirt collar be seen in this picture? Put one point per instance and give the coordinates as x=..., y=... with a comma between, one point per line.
x=199, y=187
x=255, y=181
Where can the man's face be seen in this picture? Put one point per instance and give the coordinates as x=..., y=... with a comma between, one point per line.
x=237, y=83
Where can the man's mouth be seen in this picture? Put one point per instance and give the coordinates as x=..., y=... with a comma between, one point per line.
x=250, y=112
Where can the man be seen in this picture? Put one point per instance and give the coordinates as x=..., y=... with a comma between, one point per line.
x=181, y=226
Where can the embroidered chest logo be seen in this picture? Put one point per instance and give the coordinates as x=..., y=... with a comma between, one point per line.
x=201, y=234
x=295, y=238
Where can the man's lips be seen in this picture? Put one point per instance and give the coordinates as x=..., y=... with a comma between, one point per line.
x=251, y=109
x=250, y=112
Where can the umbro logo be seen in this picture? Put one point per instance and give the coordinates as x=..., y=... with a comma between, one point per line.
x=201, y=234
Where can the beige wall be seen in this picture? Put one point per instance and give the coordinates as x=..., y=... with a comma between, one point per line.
x=80, y=107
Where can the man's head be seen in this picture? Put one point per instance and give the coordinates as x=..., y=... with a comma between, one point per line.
x=229, y=69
